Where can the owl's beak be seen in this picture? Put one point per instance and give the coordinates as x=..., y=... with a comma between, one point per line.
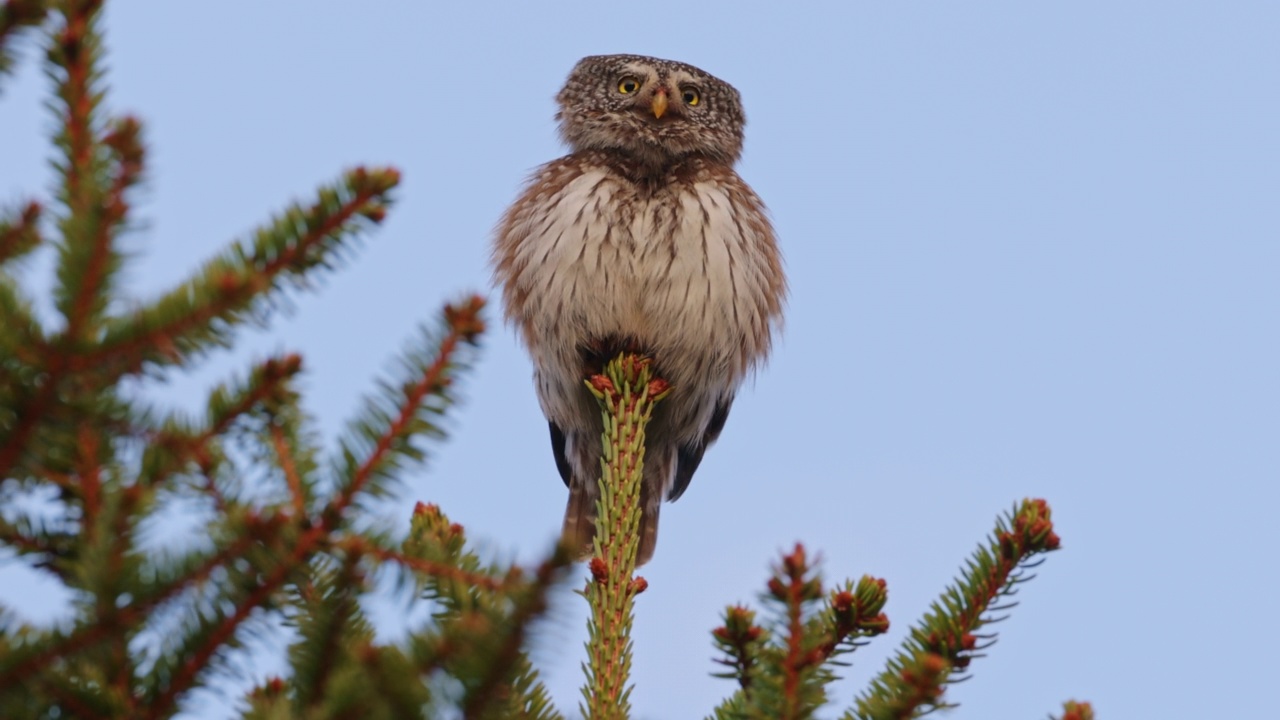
x=659, y=103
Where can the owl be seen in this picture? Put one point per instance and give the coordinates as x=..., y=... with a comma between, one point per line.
x=642, y=239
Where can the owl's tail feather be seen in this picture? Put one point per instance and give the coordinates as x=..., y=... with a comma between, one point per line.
x=579, y=522
x=580, y=526
x=648, y=534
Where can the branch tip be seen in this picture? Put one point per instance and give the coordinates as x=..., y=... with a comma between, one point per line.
x=599, y=570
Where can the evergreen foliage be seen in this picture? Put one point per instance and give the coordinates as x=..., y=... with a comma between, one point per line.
x=288, y=537
x=627, y=393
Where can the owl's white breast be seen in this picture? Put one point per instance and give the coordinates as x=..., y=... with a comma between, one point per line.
x=681, y=270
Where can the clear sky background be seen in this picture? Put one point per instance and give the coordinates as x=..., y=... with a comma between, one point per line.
x=1034, y=250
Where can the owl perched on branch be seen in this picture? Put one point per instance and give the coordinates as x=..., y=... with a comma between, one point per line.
x=641, y=239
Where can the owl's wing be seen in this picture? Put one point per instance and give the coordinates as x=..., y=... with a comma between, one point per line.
x=689, y=457
x=557, y=448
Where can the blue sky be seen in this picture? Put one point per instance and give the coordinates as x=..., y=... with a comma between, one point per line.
x=1034, y=250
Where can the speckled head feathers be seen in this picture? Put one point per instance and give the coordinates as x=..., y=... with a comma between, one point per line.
x=655, y=111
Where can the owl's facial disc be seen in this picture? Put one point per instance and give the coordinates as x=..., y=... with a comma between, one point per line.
x=650, y=111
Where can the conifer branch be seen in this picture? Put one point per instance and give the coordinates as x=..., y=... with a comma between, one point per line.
x=796, y=591
x=106, y=554
x=945, y=641
x=1072, y=710
x=388, y=668
x=24, y=419
x=87, y=259
x=16, y=16
x=33, y=657
x=198, y=658
x=25, y=542
x=741, y=640
x=201, y=312
x=20, y=232
x=270, y=700
x=73, y=61
x=284, y=455
x=85, y=701
x=174, y=445
x=494, y=686
x=216, y=635
x=90, y=481
x=431, y=568
x=627, y=392
x=67, y=428
x=784, y=673
x=19, y=345
x=480, y=626
x=380, y=442
x=854, y=615
x=20, y=336
x=329, y=619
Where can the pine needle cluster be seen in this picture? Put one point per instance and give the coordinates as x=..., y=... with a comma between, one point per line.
x=286, y=534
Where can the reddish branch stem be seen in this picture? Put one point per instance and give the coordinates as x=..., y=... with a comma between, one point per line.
x=946, y=648
x=320, y=528
x=1032, y=533
x=274, y=373
x=185, y=677
x=795, y=632
x=489, y=688
x=89, y=635
x=134, y=348
x=77, y=95
x=81, y=193
x=79, y=101
x=290, y=469
x=358, y=544
x=431, y=379
x=90, y=481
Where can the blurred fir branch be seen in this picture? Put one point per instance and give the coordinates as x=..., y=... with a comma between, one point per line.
x=19, y=232
x=16, y=16
x=288, y=535
x=286, y=532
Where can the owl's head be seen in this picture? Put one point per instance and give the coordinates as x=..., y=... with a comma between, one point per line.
x=655, y=111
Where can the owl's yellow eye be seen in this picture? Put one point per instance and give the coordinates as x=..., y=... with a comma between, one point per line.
x=628, y=85
x=690, y=96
